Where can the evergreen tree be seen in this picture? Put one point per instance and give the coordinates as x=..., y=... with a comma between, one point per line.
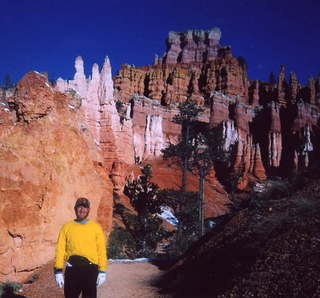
x=144, y=198
x=198, y=149
x=185, y=206
x=188, y=112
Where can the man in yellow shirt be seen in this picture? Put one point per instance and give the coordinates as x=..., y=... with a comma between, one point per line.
x=82, y=245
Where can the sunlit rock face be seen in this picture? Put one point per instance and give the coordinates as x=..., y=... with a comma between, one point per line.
x=153, y=129
x=48, y=160
x=112, y=136
x=130, y=132
x=194, y=66
x=29, y=90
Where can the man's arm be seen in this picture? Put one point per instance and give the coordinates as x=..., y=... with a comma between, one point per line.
x=60, y=250
x=59, y=259
x=102, y=254
x=102, y=250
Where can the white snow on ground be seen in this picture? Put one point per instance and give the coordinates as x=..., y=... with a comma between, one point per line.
x=139, y=260
x=259, y=187
x=168, y=215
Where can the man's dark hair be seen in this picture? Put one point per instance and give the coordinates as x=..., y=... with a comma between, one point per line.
x=82, y=202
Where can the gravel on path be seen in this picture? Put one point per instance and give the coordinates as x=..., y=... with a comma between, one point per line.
x=124, y=280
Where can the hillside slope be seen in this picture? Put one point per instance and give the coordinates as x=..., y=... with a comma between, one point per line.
x=271, y=248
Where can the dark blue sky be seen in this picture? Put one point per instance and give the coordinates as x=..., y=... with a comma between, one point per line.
x=47, y=35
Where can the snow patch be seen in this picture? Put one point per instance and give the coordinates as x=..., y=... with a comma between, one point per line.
x=259, y=187
x=40, y=74
x=139, y=260
x=167, y=214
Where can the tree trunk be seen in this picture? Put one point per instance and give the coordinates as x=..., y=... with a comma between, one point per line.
x=201, y=199
x=185, y=160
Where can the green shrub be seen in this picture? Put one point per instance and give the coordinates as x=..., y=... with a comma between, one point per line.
x=145, y=227
x=186, y=210
x=121, y=244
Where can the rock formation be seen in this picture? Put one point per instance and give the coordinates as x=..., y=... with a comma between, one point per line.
x=48, y=160
x=270, y=125
x=194, y=66
x=100, y=113
x=128, y=133
x=255, y=117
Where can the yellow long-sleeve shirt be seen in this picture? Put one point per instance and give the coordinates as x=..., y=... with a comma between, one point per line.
x=86, y=240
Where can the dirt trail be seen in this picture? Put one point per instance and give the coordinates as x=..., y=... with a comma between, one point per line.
x=124, y=280
x=130, y=280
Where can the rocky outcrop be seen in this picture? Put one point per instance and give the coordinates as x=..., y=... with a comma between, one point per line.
x=194, y=66
x=48, y=160
x=112, y=135
x=192, y=46
x=128, y=133
x=153, y=128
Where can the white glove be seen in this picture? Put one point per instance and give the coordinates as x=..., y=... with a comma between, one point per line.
x=101, y=278
x=59, y=279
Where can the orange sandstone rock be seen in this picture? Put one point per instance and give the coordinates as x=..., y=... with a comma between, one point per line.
x=47, y=161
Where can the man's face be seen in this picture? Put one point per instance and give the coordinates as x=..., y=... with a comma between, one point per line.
x=81, y=212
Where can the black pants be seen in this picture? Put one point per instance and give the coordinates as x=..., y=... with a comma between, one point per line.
x=81, y=279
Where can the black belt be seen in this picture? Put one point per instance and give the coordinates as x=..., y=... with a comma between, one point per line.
x=79, y=261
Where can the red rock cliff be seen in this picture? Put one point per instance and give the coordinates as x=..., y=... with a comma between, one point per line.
x=48, y=160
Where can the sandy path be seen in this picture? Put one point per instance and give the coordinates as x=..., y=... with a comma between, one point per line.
x=124, y=280
x=130, y=280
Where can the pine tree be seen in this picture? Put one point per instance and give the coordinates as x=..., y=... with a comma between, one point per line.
x=145, y=199
x=198, y=149
x=188, y=113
